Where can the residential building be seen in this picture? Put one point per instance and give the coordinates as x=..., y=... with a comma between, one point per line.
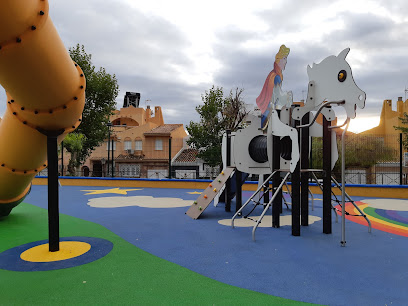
x=141, y=142
x=388, y=119
x=388, y=172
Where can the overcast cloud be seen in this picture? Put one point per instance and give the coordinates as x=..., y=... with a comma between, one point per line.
x=172, y=51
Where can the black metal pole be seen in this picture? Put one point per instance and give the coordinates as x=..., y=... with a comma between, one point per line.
x=62, y=158
x=170, y=158
x=228, y=185
x=53, y=211
x=304, y=178
x=265, y=189
x=327, y=209
x=311, y=157
x=276, y=180
x=400, y=138
x=108, y=162
x=238, y=193
x=113, y=159
x=296, y=196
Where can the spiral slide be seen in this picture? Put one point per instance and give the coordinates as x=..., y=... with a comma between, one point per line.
x=45, y=93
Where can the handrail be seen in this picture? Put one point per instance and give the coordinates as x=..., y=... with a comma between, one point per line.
x=327, y=104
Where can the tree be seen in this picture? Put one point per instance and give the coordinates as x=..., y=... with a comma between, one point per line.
x=217, y=114
x=362, y=151
x=234, y=110
x=404, y=130
x=101, y=92
x=74, y=143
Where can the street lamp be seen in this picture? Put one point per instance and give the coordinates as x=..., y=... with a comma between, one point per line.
x=113, y=159
x=110, y=145
x=109, y=125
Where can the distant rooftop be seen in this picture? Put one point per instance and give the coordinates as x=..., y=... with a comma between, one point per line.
x=163, y=130
x=187, y=155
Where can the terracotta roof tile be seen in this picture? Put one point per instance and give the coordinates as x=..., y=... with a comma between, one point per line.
x=163, y=129
x=187, y=155
x=129, y=157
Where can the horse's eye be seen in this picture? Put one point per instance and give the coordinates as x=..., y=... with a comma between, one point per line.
x=342, y=76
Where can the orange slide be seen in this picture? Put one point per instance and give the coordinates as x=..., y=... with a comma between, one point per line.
x=45, y=91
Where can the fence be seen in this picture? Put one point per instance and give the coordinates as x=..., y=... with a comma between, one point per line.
x=370, y=159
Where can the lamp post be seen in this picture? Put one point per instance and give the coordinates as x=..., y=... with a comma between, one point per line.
x=113, y=159
x=109, y=125
x=62, y=158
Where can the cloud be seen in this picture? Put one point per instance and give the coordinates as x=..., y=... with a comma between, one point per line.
x=377, y=57
x=171, y=58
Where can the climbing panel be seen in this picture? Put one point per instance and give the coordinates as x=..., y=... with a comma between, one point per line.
x=209, y=194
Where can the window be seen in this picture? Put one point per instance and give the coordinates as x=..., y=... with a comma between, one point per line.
x=158, y=145
x=139, y=145
x=129, y=170
x=128, y=144
x=108, y=145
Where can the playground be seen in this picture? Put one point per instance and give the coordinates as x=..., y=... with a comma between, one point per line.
x=160, y=255
x=97, y=241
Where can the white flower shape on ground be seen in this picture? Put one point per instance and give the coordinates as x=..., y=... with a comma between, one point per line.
x=388, y=204
x=266, y=221
x=141, y=201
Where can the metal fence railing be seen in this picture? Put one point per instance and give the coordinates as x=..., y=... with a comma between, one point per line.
x=370, y=159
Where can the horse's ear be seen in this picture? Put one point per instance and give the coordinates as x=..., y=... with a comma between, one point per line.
x=344, y=53
x=309, y=70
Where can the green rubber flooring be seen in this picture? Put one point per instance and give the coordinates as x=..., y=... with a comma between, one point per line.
x=127, y=275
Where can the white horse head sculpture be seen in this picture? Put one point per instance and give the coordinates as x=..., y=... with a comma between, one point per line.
x=332, y=80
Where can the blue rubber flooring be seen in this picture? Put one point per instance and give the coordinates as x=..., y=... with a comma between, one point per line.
x=371, y=270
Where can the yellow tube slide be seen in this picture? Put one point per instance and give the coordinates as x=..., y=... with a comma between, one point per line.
x=45, y=90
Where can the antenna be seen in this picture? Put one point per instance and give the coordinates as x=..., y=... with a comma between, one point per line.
x=303, y=94
x=406, y=90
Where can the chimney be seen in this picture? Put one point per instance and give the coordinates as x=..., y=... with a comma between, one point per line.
x=400, y=107
x=148, y=113
x=158, y=115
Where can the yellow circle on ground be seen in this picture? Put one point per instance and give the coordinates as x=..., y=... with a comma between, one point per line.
x=68, y=250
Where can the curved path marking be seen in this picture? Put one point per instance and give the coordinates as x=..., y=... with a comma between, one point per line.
x=387, y=220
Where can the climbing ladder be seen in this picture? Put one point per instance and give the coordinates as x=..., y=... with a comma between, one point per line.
x=209, y=193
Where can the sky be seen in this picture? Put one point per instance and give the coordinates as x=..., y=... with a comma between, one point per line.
x=171, y=52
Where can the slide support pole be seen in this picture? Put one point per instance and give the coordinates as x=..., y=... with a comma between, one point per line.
x=53, y=192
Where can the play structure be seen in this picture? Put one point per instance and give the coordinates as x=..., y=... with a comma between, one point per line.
x=45, y=99
x=275, y=144
x=45, y=95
